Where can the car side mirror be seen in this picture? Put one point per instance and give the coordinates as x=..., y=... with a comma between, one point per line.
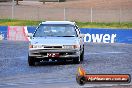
x=82, y=35
x=30, y=35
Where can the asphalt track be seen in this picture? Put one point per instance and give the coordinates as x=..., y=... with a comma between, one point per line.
x=99, y=58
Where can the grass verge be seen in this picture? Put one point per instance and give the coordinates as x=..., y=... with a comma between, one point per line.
x=10, y=22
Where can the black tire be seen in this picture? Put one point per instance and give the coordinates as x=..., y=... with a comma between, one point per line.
x=31, y=61
x=76, y=60
x=82, y=56
x=81, y=80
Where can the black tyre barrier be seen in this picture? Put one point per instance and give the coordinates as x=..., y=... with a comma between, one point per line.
x=81, y=80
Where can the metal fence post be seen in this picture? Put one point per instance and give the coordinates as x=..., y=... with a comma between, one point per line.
x=38, y=13
x=120, y=15
x=64, y=14
x=91, y=15
x=12, y=12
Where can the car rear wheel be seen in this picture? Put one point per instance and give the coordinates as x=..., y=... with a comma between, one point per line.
x=31, y=61
x=82, y=55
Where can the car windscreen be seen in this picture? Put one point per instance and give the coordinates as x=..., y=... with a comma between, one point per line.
x=55, y=30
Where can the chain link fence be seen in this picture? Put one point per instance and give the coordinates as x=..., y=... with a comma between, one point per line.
x=74, y=14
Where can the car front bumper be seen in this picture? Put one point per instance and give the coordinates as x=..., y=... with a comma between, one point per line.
x=63, y=53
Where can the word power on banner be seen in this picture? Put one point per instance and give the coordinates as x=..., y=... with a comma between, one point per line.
x=105, y=38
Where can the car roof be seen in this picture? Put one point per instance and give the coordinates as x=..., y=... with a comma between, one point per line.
x=58, y=22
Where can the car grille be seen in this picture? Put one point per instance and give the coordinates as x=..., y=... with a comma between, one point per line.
x=52, y=46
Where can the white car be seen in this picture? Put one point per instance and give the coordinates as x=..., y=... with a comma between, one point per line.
x=55, y=41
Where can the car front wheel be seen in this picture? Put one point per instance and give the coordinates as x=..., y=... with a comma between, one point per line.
x=76, y=60
x=31, y=61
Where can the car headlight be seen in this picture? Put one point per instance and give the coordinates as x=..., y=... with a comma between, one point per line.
x=71, y=46
x=30, y=46
x=37, y=46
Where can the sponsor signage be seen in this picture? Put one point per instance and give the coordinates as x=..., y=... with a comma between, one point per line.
x=107, y=35
x=103, y=35
x=83, y=78
x=95, y=35
x=3, y=32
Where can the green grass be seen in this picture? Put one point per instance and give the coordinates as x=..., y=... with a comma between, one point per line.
x=10, y=22
x=104, y=25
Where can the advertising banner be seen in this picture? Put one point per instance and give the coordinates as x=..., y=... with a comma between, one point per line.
x=3, y=32
x=95, y=35
x=102, y=35
x=107, y=35
x=17, y=33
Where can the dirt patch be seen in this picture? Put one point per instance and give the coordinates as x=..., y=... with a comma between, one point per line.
x=99, y=4
x=76, y=10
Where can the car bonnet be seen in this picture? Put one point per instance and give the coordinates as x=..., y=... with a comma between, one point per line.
x=55, y=40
